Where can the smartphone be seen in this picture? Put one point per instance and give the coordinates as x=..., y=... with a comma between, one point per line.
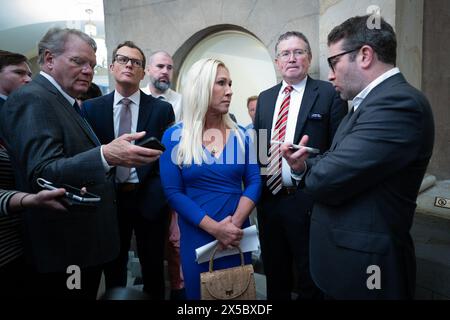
x=72, y=193
x=151, y=143
x=296, y=147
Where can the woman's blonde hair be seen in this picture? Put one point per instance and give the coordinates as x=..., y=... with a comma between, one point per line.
x=197, y=93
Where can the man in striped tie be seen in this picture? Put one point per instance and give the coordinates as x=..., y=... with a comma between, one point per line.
x=298, y=105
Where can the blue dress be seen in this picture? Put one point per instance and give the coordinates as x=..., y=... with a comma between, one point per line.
x=213, y=188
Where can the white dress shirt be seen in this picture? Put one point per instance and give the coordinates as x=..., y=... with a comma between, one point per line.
x=363, y=94
x=172, y=97
x=294, y=109
x=135, y=99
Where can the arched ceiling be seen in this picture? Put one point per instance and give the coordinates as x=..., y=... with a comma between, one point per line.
x=24, y=22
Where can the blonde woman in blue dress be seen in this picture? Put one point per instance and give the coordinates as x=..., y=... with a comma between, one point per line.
x=209, y=171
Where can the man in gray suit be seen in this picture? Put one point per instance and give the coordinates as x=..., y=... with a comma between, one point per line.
x=46, y=137
x=366, y=186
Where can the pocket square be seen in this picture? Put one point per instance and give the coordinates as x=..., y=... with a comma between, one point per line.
x=316, y=116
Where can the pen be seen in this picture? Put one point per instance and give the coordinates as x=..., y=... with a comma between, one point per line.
x=296, y=147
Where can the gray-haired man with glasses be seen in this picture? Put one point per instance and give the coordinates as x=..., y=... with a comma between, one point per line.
x=47, y=138
x=298, y=105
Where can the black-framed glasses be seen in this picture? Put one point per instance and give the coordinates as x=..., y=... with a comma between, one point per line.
x=121, y=59
x=285, y=55
x=334, y=59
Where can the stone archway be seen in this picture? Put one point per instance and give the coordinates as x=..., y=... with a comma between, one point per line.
x=250, y=64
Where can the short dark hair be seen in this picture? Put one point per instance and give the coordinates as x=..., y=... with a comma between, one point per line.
x=356, y=33
x=94, y=91
x=8, y=58
x=55, y=40
x=252, y=98
x=129, y=44
x=296, y=34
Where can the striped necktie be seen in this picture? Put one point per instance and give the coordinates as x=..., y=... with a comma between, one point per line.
x=275, y=160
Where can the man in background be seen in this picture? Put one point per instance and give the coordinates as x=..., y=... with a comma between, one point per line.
x=14, y=73
x=160, y=72
x=251, y=108
x=298, y=105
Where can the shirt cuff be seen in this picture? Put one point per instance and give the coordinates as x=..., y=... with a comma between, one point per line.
x=106, y=166
x=298, y=176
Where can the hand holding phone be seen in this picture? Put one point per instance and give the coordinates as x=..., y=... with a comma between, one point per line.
x=296, y=147
x=74, y=195
x=151, y=143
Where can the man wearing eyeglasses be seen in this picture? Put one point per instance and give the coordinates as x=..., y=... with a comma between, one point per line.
x=47, y=138
x=298, y=105
x=141, y=203
x=366, y=186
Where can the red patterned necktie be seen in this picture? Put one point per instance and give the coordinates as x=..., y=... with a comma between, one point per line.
x=274, y=168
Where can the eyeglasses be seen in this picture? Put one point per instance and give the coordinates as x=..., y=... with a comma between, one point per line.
x=79, y=62
x=121, y=59
x=332, y=61
x=285, y=55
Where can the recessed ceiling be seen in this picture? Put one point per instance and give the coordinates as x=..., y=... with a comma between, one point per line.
x=24, y=22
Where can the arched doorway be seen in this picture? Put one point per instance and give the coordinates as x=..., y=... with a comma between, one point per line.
x=250, y=64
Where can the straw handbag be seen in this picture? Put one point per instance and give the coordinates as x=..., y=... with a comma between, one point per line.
x=237, y=283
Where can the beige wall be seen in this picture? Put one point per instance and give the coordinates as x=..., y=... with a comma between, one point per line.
x=170, y=25
x=436, y=80
x=178, y=25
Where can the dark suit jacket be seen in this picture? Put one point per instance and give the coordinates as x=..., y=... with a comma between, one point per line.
x=2, y=102
x=365, y=190
x=320, y=113
x=154, y=117
x=45, y=137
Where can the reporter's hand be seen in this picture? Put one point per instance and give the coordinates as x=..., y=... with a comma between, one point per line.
x=47, y=199
x=120, y=152
x=295, y=158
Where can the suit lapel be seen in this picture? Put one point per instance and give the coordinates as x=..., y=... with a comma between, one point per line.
x=270, y=110
x=109, y=117
x=69, y=108
x=344, y=127
x=349, y=120
x=308, y=100
x=145, y=111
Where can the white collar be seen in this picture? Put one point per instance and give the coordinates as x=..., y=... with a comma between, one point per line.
x=57, y=86
x=363, y=94
x=297, y=87
x=135, y=97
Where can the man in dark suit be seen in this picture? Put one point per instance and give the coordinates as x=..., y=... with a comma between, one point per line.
x=141, y=203
x=46, y=137
x=298, y=105
x=14, y=73
x=366, y=186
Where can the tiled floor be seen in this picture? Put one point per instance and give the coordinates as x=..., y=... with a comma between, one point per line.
x=134, y=274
